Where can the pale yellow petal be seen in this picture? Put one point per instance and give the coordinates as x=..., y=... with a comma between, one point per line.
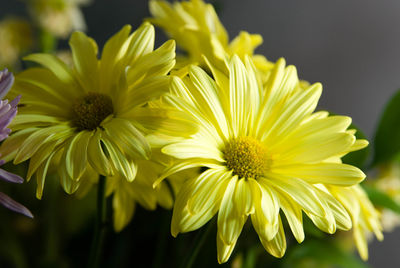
x=96, y=156
x=319, y=148
x=300, y=191
x=229, y=223
x=84, y=55
x=57, y=66
x=290, y=115
x=208, y=94
x=119, y=162
x=294, y=217
x=266, y=204
x=326, y=173
x=129, y=140
x=76, y=154
x=193, y=148
x=224, y=251
x=277, y=246
x=41, y=176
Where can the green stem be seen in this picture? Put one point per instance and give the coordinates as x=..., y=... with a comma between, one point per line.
x=48, y=43
x=198, y=244
x=100, y=225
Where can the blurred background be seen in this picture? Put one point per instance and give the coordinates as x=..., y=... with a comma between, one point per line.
x=351, y=47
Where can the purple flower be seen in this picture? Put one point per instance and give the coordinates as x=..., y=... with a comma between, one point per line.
x=7, y=113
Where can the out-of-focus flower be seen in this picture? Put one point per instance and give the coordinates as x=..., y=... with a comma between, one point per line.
x=198, y=31
x=93, y=115
x=15, y=39
x=59, y=17
x=388, y=181
x=7, y=113
x=365, y=217
x=263, y=149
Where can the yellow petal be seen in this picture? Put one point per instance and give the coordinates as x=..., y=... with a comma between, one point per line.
x=96, y=156
x=277, y=246
x=119, y=162
x=290, y=115
x=318, y=148
x=41, y=176
x=54, y=64
x=76, y=154
x=128, y=139
x=142, y=42
x=84, y=55
x=224, y=251
x=301, y=192
x=266, y=204
x=229, y=223
x=326, y=173
x=294, y=217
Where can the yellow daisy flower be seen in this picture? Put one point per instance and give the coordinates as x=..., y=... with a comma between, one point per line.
x=263, y=149
x=198, y=31
x=93, y=115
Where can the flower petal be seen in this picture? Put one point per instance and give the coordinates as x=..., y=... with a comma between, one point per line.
x=10, y=177
x=294, y=217
x=277, y=246
x=76, y=154
x=229, y=223
x=7, y=202
x=224, y=251
x=96, y=157
x=84, y=55
x=326, y=173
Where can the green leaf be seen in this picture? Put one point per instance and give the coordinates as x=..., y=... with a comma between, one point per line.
x=379, y=198
x=387, y=137
x=322, y=252
x=357, y=158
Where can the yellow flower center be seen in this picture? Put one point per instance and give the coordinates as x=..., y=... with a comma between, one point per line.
x=90, y=110
x=247, y=157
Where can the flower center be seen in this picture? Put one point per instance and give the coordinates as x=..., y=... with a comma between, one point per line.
x=90, y=110
x=247, y=157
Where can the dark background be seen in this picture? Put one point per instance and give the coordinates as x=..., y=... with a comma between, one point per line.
x=352, y=47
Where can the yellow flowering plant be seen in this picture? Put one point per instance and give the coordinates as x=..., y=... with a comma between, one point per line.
x=212, y=141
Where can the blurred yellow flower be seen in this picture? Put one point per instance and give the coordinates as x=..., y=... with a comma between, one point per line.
x=59, y=17
x=263, y=149
x=197, y=30
x=388, y=181
x=15, y=39
x=93, y=115
x=365, y=217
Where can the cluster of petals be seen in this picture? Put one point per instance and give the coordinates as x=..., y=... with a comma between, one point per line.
x=7, y=113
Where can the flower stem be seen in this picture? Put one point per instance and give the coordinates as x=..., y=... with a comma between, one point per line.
x=100, y=225
x=198, y=244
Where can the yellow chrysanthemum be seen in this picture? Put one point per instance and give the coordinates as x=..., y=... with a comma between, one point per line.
x=264, y=150
x=365, y=217
x=197, y=30
x=93, y=115
x=59, y=17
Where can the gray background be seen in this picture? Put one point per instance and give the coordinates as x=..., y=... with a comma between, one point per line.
x=351, y=46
